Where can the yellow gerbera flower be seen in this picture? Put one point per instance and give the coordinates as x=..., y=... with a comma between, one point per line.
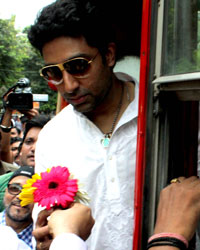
x=26, y=196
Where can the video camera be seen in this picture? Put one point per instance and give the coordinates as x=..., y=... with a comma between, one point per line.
x=21, y=97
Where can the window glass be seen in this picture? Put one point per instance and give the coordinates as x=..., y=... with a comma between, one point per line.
x=181, y=37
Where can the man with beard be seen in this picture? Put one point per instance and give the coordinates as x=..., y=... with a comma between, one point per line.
x=14, y=216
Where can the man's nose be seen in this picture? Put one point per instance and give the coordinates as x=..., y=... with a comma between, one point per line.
x=33, y=147
x=70, y=82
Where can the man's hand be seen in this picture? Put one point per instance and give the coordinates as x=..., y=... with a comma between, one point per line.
x=77, y=219
x=30, y=113
x=179, y=207
x=41, y=232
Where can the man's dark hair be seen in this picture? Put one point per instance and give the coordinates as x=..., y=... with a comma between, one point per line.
x=23, y=119
x=36, y=122
x=15, y=139
x=73, y=18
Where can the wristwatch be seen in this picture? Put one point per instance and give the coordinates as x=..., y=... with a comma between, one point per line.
x=6, y=129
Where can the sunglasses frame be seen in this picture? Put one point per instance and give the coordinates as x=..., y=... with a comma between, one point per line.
x=61, y=67
x=16, y=185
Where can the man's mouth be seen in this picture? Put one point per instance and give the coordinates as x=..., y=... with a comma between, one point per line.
x=16, y=204
x=32, y=157
x=77, y=100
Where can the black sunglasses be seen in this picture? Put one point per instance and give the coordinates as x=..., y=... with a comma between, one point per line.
x=77, y=67
x=14, y=188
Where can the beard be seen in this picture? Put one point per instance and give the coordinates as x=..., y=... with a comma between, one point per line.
x=93, y=101
x=18, y=218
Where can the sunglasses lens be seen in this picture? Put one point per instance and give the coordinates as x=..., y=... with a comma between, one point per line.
x=78, y=67
x=52, y=73
x=14, y=189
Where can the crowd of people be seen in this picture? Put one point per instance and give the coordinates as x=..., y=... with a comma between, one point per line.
x=94, y=136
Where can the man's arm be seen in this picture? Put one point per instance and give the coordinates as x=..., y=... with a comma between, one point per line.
x=5, y=141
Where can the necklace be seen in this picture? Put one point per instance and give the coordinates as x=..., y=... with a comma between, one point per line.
x=106, y=137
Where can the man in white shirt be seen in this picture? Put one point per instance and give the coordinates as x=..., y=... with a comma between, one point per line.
x=95, y=135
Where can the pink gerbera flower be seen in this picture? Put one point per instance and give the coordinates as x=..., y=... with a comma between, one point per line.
x=55, y=188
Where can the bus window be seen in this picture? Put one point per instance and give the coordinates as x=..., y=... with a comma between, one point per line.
x=172, y=101
x=181, y=40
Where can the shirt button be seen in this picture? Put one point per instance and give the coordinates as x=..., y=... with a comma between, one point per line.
x=113, y=179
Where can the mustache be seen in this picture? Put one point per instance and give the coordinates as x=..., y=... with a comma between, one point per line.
x=75, y=93
x=16, y=202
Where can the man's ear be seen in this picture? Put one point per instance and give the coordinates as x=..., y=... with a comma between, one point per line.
x=110, y=55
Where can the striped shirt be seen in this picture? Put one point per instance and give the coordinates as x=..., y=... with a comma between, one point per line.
x=25, y=235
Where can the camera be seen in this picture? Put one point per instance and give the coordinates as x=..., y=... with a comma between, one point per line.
x=21, y=98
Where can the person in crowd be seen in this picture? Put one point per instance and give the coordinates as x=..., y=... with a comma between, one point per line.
x=6, y=128
x=18, y=218
x=26, y=150
x=4, y=166
x=18, y=123
x=14, y=149
x=178, y=214
x=95, y=135
x=15, y=132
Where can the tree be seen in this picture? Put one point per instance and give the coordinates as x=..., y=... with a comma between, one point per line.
x=19, y=59
x=8, y=59
x=32, y=63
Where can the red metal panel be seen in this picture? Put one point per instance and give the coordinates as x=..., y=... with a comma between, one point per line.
x=141, y=133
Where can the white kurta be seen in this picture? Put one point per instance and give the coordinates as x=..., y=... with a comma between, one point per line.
x=108, y=174
x=67, y=241
x=10, y=241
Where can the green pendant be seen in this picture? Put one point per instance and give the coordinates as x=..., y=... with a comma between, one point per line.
x=105, y=142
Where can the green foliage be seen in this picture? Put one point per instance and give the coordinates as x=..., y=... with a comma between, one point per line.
x=19, y=59
x=181, y=51
x=8, y=60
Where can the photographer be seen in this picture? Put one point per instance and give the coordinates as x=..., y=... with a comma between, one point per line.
x=13, y=100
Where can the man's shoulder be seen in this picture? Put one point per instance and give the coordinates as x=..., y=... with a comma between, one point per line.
x=6, y=167
x=63, y=117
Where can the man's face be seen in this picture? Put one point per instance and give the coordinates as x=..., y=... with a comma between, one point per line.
x=14, y=133
x=14, y=211
x=27, y=153
x=85, y=94
x=14, y=149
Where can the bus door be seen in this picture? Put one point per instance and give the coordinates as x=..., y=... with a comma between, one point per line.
x=168, y=124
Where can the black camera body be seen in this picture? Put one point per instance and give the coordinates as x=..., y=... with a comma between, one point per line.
x=21, y=98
